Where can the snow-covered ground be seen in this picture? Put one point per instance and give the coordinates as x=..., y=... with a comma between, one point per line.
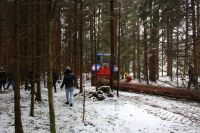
x=130, y=113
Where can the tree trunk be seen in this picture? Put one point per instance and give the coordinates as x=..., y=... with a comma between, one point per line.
x=155, y=40
x=18, y=122
x=34, y=56
x=25, y=46
x=1, y=62
x=178, y=93
x=49, y=77
x=92, y=50
x=81, y=46
x=186, y=40
x=95, y=37
x=98, y=26
x=152, y=62
x=112, y=43
x=69, y=48
x=75, y=57
x=146, y=76
x=177, y=56
x=91, y=42
x=38, y=50
x=194, y=35
x=162, y=69
x=198, y=36
x=138, y=51
x=169, y=51
x=118, y=49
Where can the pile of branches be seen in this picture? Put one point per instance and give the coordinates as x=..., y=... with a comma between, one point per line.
x=102, y=93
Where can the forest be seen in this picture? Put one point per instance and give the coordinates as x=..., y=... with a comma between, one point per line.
x=147, y=39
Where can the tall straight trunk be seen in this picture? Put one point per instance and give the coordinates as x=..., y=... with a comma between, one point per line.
x=84, y=97
x=154, y=39
x=0, y=36
x=44, y=53
x=146, y=77
x=119, y=47
x=98, y=27
x=56, y=41
x=50, y=82
x=134, y=61
x=177, y=57
x=9, y=34
x=49, y=73
x=38, y=49
x=112, y=43
x=70, y=46
x=198, y=36
x=134, y=49
x=162, y=43
x=138, y=51
x=156, y=17
x=59, y=33
x=95, y=38
x=169, y=51
x=91, y=42
x=18, y=122
x=194, y=35
x=44, y=42
x=171, y=55
x=81, y=46
x=75, y=60
x=27, y=43
x=34, y=57
x=186, y=39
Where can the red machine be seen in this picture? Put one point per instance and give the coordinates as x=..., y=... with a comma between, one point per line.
x=102, y=68
x=103, y=72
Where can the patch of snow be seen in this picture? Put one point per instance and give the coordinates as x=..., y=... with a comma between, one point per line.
x=130, y=113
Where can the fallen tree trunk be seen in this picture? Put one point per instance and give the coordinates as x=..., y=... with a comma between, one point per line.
x=180, y=93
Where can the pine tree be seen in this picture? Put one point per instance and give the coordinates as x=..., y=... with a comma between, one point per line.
x=50, y=15
x=18, y=121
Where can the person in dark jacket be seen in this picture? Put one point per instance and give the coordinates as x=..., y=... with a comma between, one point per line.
x=10, y=76
x=30, y=80
x=10, y=79
x=192, y=78
x=69, y=81
x=55, y=78
x=2, y=78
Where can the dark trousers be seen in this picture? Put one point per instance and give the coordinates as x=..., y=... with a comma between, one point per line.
x=54, y=86
x=10, y=83
x=192, y=80
x=2, y=85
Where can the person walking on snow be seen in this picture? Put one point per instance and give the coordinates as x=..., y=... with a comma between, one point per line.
x=2, y=78
x=69, y=81
x=192, y=78
x=55, y=78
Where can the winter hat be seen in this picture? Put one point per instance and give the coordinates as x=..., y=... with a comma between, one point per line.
x=67, y=68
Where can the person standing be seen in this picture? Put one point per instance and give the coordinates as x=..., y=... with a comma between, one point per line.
x=10, y=79
x=10, y=76
x=70, y=82
x=2, y=78
x=55, y=78
x=192, y=78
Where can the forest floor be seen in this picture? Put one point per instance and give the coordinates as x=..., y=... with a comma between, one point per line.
x=129, y=113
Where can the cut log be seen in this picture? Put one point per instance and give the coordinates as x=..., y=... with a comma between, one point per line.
x=180, y=93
